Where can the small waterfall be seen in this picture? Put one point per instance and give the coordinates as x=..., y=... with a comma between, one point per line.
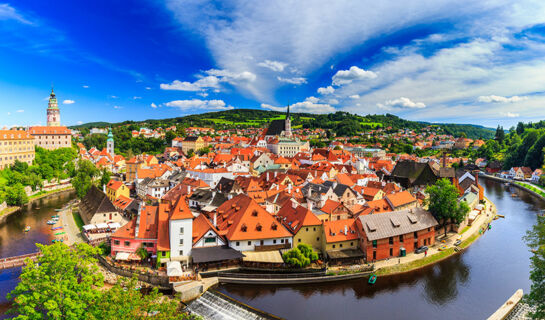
x=213, y=306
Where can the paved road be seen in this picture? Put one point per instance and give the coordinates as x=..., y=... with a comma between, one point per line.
x=70, y=227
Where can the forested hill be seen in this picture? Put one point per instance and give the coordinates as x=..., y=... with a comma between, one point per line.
x=342, y=123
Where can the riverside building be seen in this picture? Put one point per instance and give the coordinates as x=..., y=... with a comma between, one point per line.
x=15, y=145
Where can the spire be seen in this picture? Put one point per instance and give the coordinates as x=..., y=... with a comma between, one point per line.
x=288, y=113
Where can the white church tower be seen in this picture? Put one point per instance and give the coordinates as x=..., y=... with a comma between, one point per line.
x=110, y=143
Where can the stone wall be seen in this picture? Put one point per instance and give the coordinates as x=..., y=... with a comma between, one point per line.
x=155, y=280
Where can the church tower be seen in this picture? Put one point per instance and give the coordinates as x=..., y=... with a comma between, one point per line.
x=53, y=112
x=110, y=143
x=287, y=126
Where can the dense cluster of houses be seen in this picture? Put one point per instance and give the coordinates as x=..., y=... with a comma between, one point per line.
x=242, y=202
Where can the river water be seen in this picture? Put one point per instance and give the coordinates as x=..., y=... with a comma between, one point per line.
x=471, y=285
x=14, y=241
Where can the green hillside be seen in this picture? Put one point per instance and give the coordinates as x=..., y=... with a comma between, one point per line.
x=341, y=123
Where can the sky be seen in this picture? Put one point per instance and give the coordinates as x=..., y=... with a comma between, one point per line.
x=479, y=62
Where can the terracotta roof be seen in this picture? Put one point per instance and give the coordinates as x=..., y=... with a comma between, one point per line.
x=295, y=218
x=181, y=210
x=335, y=230
x=243, y=219
x=201, y=225
x=400, y=198
x=49, y=130
x=14, y=135
x=122, y=202
x=163, y=238
x=114, y=184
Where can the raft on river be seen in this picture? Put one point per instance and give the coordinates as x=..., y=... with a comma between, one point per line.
x=372, y=279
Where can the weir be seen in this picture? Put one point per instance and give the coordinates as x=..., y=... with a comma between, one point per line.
x=216, y=306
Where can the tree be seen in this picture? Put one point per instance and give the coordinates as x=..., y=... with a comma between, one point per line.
x=301, y=256
x=85, y=173
x=500, y=135
x=520, y=128
x=60, y=284
x=444, y=205
x=536, y=240
x=106, y=176
x=16, y=195
x=65, y=283
x=190, y=153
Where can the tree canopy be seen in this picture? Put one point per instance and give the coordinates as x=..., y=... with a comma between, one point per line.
x=444, y=205
x=300, y=256
x=536, y=240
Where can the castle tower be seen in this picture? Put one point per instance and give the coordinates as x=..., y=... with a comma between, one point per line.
x=287, y=126
x=53, y=112
x=110, y=143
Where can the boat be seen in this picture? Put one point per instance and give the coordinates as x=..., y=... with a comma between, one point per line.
x=51, y=222
x=513, y=195
x=55, y=216
x=56, y=228
x=372, y=279
x=489, y=226
x=500, y=216
x=58, y=210
x=27, y=229
x=443, y=248
x=60, y=233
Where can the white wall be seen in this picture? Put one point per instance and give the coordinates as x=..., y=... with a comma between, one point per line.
x=244, y=246
x=175, y=236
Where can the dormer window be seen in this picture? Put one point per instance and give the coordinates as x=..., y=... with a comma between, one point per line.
x=254, y=213
x=274, y=226
x=259, y=227
x=243, y=228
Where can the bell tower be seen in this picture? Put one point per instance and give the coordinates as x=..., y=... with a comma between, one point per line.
x=287, y=125
x=53, y=112
x=110, y=143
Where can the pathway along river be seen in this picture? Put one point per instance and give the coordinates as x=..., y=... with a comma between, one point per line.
x=471, y=285
x=14, y=241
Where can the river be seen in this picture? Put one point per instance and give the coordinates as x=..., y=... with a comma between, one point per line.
x=471, y=285
x=14, y=241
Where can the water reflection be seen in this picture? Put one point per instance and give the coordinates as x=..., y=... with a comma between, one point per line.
x=441, y=284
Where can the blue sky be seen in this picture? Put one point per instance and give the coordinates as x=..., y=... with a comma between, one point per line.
x=480, y=62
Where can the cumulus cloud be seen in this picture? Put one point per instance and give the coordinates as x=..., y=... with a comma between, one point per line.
x=68, y=101
x=510, y=114
x=403, y=103
x=354, y=73
x=326, y=90
x=294, y=80
x=118, y=107
x=20, y=110
x=273, y=65
x=194, y=104
x=500, y=99
x=79, y=122
x=153, y=105
x=355, y=96
x=310, y=105
x=148, y=88
x=136, y=97
x=211, y=80
x=333, y=101
x=114, y=97
x=85, y=86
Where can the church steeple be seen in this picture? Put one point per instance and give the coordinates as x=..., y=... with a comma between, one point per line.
x=287, y=124
x=53, y=112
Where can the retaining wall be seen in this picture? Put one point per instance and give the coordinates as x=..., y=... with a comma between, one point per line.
x=155, y=280
x=260, y=281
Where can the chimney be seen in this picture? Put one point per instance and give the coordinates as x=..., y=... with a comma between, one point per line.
x=289, y=188
x=188, y=189
x=275, y=174
x=309, y=205
x=267, y=175
x=309, y=191
x=215, y=219
x=345, y=230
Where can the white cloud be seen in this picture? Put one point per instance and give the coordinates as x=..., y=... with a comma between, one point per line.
x=85, y=86
x=7, y=12
x=148, y=88
x=403, y=103
x=312, y=99
x=294, y=80
x=118, y=107
x=9, y=113
x=114, y=97
x=354, y=73
x=500, y=99
x=79, y=122
x=326, y=90
x=273, y=65
x=212, y=80
x=232, y=77
x=194, y=104
x=333, y=101
x=20, y=110
x=307, y=106
x=68, y=101
x=201, y=84
x=510, y=114
x=136, y=97
x=153, y=105
x=203, y=94
x=355, y=96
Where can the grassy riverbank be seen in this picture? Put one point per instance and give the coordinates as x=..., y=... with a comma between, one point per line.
x=10, y=210
x=78, y=220
x=532, y=188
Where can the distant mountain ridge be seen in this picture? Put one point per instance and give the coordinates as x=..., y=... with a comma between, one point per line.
x=342, y=123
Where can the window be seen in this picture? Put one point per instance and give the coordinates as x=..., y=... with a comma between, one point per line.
x=415, y=234
x=181, y=241
x=374, y=255
x=274, y=241
x=306, y=229
x=249, y=243
x=181, y=252
x=333, y=246
x=116, y=242
x=391, y=240
x=181, y=230
x=391, y=252
x=401, y=238
x=340, y=245
x=374, y=243
x=127, y=243
x=210, y=240
x=281, y=240
x=351, y=243
x=298, y=240
x=318, y=239
x=238, y=243
x=314, y=229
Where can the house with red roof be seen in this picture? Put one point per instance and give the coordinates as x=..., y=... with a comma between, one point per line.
x=303, y=224
x=340, y=242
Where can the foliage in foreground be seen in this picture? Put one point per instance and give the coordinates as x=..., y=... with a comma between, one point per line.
x=300, y=256
x=65, y=283
x=536, y=240
x=444, y=205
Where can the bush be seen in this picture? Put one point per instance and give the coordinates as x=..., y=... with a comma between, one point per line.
x=301, y=256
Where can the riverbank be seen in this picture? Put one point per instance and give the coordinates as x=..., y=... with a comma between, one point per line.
x=11, y=210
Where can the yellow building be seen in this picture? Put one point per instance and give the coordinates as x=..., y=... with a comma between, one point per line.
x=303, y=224
x=339, y=235
x=193, y=143
x=52, y=138
x=115, y=188
x=15, y=145
x=131, y=167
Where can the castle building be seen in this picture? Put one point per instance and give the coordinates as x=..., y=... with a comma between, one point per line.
x=280, y=140
x=15, y=145
x=110, y=143
x=280, y=127
x=53, y=136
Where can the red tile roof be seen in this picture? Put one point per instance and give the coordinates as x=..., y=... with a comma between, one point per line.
x=335, y=230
